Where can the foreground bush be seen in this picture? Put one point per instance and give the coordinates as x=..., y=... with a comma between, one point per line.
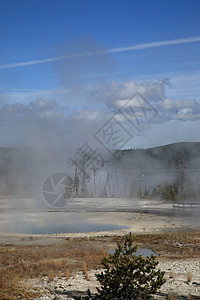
x=128, y=276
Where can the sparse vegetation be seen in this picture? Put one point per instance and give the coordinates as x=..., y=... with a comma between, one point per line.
x=19, y=262
x=189, y=277
x=165, y=192
x=171, y=297
x=171, y=274
x=85, y=271
x=168, y=192
x=23, y=262
x=51, y=275
x=67, y=274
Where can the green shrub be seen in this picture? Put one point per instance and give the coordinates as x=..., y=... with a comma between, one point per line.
x=165, y=192
x=128, y=276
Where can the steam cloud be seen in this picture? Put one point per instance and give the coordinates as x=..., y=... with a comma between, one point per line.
x=65, y=123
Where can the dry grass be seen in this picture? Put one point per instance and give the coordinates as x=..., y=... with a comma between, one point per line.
x=51, y=275
x=11, y=288
x=24, y=262
x=172, y=245
x=171, y=297
x=171, y=274
x=85, y=271
x=80, y=254
x=67, y=274
x=189, y=277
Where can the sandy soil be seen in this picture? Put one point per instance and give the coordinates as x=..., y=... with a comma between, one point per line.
x=176, y=287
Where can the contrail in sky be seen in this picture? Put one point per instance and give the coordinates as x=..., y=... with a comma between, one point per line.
x=112, y=50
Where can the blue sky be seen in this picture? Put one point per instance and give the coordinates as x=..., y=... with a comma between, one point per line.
x=44, y=55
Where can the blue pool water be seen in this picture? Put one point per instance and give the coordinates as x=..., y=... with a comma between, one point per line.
x=51, y=222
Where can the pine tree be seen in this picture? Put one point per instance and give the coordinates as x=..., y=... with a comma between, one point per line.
x=128, y=276
x=132, y=191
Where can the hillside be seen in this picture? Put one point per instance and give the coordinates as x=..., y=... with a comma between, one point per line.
x=23, y=171
x=167, y=157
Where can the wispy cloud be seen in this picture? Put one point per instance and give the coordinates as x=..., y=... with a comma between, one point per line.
x=19, y=90
x=112, y=50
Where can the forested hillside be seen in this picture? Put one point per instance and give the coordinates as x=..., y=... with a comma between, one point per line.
x=166, y=171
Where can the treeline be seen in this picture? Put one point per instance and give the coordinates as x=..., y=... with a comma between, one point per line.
x=168, y=192
x=169, y=156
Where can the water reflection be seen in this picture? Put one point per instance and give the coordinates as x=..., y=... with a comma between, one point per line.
x=140, y=251
x=50, y=222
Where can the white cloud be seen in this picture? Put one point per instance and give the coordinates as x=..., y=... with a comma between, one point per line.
x=167, y=104
x=181, y=103
x=86, y=115
x=184, y=84
x=115, y=94
x=43, y=122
